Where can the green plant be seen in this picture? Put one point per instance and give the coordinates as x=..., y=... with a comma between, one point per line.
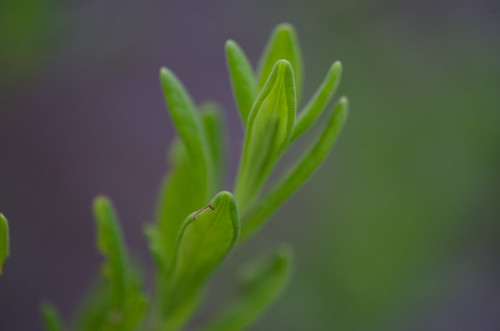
x=187, y=250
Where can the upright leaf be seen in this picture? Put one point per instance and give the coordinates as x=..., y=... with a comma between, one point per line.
x=261, y=284
x=188, y=124
x=318, y=102
x=50, y=317
x=269, y=128
x=242, y=79
x=111, y=245
x=204, y=240
x=4, y=241
x=213, y=122
x=298, y=174
x=283, y=45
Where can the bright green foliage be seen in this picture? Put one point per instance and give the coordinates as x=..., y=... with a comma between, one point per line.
x=283, y=45
x=4, y=241
x=187, y=251
x=51, y=319
x=269, y=128
x=205, y=238
x=261, y=283
x=242, y=78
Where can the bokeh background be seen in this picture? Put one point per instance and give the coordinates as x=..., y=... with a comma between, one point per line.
x=398, y=230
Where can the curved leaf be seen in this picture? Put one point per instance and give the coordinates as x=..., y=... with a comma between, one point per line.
x=4, y=241
x=269, y=128
x=51, y=319
x=242, y=79
x=299, y=173
x=283, y=45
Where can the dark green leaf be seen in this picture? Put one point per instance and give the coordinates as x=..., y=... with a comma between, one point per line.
x=4, y=241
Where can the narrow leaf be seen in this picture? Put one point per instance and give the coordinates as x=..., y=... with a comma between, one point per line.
x=51, y=319
x=283, y=45
x=261, y=285
x=188, y=124
x=204, y=240
x=213, y=122
x=242, y=79
x=299, y=173
x=111, y=245
x=269, y=128
x=318, y=102
x=4, y=241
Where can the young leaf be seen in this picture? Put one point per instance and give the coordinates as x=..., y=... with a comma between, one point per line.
x=283, y=45
x=269, y=128
x=50, y=317
x=318, y=102
x=180, y=194
x=213, y=122
x=188, y=124
x=262, y=283
x=204, y=240
x=4, y=241
x=298, y=175
x=242, y=79
x=111, y=245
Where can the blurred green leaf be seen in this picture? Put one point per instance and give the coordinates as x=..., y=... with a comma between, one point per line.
x=51, y=319
x=318, y=102
x=188, y=124
x=213, y=122
x=269, y=128
x=242, y=79
x=262, y=282
x=127, y=303
x=4, y=241
x=204, y=240
x=298, y=174
x=283, y=45
x=180, y=194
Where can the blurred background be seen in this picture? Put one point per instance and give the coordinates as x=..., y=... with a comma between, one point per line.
x=398, y=230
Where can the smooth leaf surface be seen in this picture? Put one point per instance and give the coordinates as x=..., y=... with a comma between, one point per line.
x=51, y=319
x=242, y=79
x=299, y=173
x=269, y=128
x=318, y=102
x=204, y=240
x=283, y=45
x=188, y=124
x=262, y=282
x=4, y=241
x=180, y=194
x=111, y=245
x=213, y=122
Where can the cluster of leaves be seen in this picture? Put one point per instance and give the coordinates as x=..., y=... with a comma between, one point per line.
x=188, y=249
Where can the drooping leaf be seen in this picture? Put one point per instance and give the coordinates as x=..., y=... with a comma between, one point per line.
x=51, y=319
x=269, y=128
x=262, y=282
x=213, y=121
x=242, y=79
x=205, y=239
x=298, y=174
x=188, y=124
x=283, y=45
x=4, y=241
x=318, y=102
